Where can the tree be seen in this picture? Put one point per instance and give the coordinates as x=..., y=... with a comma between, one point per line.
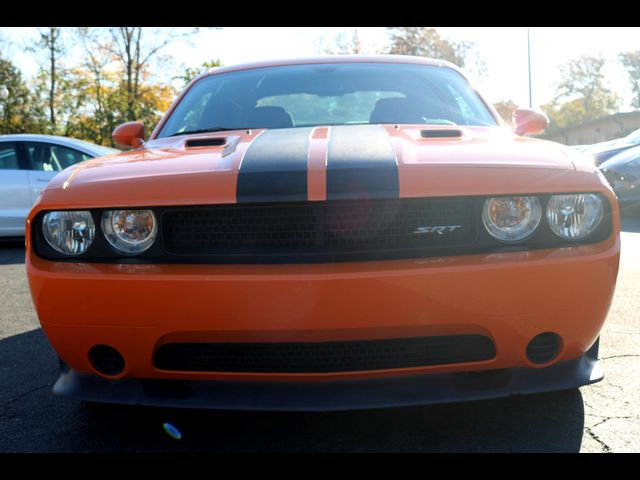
x=427, y=42
x=564, y=114
x=133, y=49
x=51, y=40
x=102, y=103
x=51, y=45
x=94, y=88
x=114, y=82
x=190, y=73
x=506, y=108
x=631, y=61
x=581, y=94
x=18, y=112
x=345, y=44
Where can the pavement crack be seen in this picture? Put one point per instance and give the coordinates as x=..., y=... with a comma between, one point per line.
x=606, y=419
x=620, y=356
x=605, y=447
x=11, y=401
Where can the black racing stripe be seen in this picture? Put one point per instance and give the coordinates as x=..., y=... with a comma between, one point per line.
x=361, y=163
x=274, y=167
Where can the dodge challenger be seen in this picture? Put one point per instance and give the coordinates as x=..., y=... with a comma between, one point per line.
x=325, y=234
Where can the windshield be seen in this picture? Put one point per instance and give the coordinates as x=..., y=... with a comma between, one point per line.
x=328, y=94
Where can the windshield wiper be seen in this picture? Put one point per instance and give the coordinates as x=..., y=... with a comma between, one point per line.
x=204, y=130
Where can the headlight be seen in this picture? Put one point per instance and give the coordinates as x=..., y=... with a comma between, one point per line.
x=511, y=219
x=574, y=217
x=129, y=231
x=69, y=232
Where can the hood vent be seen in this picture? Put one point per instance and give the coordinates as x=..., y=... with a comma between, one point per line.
x=206, y=142
x=441, y=133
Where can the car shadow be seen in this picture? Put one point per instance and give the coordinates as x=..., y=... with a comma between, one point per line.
x=38, y=421
x=11, y=251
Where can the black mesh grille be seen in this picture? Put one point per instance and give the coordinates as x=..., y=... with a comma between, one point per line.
x=319, y=228
x=324, y=357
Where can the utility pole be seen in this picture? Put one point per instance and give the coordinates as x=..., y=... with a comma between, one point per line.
x=529, y=60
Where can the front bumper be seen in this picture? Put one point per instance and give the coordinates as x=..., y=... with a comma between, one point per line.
x=336, y=395
x=510, y=297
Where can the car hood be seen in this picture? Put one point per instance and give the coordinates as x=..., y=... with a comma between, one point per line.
x=363, y=161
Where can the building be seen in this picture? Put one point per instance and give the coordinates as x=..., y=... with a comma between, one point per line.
x=599, y=130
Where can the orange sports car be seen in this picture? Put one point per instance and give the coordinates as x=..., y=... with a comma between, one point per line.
x=323, y=234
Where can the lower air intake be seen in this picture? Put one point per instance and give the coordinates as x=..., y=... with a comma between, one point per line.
x=324, y=357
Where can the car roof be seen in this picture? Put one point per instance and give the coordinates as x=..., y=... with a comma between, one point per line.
x=83, y=146
x=392, y=59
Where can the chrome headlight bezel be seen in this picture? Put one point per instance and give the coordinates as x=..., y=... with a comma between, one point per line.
x=523, y=230
x=126, y=244
x=69, y=232
x=589, y=204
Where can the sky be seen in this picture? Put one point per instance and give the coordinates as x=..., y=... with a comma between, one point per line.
x=502, y=49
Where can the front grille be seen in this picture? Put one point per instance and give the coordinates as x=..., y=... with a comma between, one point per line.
x=384, y=227
x=325, y=357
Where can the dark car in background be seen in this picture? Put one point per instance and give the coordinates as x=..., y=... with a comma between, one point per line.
x=601, y=152
x=622, y=171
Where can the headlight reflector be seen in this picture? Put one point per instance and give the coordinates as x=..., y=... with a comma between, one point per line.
x=574, y=217
x=130, y=231
x=511, y=219
x=69, y=232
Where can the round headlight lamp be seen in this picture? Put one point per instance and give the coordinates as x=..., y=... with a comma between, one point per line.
x=574, y=217
x=130, y=231
x=69, y=232
x=511, y=219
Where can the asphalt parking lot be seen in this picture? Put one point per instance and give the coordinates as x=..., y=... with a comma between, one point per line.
x=604, y=417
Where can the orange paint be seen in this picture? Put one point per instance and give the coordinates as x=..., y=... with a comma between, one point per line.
x=511, y=297
x=129, y=135
x=317, y=166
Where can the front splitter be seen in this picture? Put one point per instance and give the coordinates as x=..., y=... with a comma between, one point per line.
x=333, y=395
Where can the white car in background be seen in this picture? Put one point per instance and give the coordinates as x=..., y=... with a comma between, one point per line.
x=27, y=164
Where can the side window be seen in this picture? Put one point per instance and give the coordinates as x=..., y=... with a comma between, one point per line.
x=52, y=158
x=65, y=157
x=8, y=156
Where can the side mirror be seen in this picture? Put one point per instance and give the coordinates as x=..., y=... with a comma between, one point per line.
x=529, y=122
x=129, y=135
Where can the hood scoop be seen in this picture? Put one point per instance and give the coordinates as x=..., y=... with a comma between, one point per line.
x=206, y=142
x=441, y=133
